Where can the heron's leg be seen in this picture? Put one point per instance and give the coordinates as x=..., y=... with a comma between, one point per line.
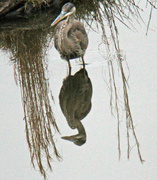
x=83, y=62
x=69, y=65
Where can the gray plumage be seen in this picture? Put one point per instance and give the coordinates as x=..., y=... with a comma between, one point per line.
x=70, y=37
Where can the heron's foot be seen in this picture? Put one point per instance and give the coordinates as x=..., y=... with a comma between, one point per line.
x=84, y=64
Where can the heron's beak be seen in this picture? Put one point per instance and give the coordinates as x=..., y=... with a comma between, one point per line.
x=59, y=18
x=63, y=15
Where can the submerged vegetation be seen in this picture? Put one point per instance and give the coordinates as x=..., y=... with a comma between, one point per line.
x=27, y=41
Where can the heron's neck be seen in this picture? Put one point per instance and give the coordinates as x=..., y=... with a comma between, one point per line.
x=81, y=128
x=69, y=22
x=70, y=19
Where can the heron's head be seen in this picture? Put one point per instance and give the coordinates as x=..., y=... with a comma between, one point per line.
x=78, y=139
x=67, y=10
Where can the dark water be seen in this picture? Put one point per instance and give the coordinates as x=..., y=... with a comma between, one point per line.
x=39, y=73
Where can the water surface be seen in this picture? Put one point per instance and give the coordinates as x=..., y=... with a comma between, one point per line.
x=98, y=157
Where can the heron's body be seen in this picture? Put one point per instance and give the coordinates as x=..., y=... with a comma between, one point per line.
x=70, y=37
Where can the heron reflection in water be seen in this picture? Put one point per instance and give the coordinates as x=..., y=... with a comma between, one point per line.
x=70, y=37
x=75, y=101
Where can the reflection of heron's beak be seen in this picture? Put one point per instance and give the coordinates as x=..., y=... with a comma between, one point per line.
x=78, y=139
x=73, y=138
x=61, y=16
x=69, y=138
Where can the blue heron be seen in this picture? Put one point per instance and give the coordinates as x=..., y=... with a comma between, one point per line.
x=70, y=37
